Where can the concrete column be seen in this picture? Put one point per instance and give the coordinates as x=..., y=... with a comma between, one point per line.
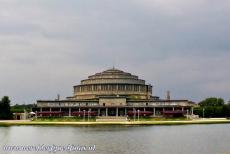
x=79, y=109
x=98, y=112
x=154, y=111
x=134, y=111
x=125, y=111
x=89, y=110
x=182, y=108
x=163, y=109
x=106, y=112
x=40, y=111
x=144, y=108
x=50, y=110
x=125, y=87
x=69, y=112
x=192, y=110
x=60, y=109
x=173, y=108
x=117, y=112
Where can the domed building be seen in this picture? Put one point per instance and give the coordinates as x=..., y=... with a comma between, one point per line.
x=112, y=82
x=113, y=92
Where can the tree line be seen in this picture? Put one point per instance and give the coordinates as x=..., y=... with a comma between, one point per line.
x=213, y=108
x=6, y=110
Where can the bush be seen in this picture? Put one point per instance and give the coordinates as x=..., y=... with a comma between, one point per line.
x=5, y=113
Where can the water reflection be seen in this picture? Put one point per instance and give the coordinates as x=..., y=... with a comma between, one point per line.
x=125, y=139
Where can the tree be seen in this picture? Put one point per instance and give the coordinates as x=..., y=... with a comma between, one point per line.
x=213, y=107
x=5, y=112
x=17, y=108
x=226, y=110
x=212, y=101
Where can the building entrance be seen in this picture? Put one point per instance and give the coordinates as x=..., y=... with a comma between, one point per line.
x=111, y=111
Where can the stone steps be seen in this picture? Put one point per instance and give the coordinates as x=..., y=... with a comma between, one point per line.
x=111, y=118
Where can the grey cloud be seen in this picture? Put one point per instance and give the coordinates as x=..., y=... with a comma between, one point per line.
x=47, y=47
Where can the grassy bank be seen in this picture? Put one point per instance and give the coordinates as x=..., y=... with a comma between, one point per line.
x=159, y=119
x=64, y=119
x=157, y=122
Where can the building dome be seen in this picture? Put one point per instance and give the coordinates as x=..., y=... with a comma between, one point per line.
x=112, y=76
x=113, y=70
x=112, y=82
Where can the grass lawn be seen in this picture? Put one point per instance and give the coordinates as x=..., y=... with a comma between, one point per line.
x=159, y=119
x=64, y=119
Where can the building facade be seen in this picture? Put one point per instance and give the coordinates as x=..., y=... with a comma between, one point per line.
x=113, y=93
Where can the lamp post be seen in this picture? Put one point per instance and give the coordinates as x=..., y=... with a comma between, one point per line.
x=138, y=113
x=84, y=115
x=203, y=113
x=187, y=114
x=36, y=115
x=88, y=115
x=134, y=114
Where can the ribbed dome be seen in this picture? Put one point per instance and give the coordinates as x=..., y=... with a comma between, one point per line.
x=113, y=70
x=112, y=82
x=113, y=76
x=112, y=73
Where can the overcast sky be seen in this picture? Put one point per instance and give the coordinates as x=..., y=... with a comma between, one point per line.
x=47, y=46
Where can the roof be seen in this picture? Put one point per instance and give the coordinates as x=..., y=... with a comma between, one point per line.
x=113, y=76
x=113, y=70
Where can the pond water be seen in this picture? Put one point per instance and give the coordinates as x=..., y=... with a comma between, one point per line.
x=116, y=139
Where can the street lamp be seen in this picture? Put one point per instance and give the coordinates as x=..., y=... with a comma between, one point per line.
x=187, y=114
x=84, y=115
x=134, y=114
x=88, y=115
x=138, y=113
x=203, y=113
x=36, y=115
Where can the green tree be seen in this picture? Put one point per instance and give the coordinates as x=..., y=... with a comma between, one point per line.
x=212, y=101
x=213, y=107
x=198, y=111
x=17, y=108
x=226, y=110
x=5, y=112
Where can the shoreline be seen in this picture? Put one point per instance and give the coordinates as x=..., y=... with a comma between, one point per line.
x=179, y=122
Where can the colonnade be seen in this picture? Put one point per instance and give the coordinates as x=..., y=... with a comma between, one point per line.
x=118, y=111
x=112, y=87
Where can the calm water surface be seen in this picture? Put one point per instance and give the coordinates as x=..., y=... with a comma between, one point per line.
x=182, y=139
